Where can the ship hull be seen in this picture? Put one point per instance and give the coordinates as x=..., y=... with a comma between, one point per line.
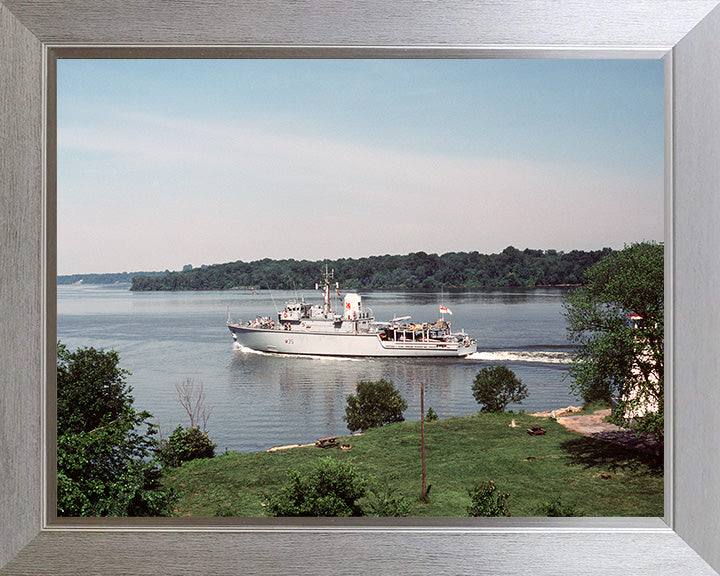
x=342, y=344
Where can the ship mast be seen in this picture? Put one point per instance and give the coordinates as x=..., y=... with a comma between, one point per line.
x=327, y=308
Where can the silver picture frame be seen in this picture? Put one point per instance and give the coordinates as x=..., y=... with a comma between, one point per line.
x=685, y=33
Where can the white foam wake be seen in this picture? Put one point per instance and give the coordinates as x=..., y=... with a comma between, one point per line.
x=245, y=350
x=544, y=357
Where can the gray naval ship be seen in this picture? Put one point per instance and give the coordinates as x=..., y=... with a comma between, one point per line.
x=318, y=330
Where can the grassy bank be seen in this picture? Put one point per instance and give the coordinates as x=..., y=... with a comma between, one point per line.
x=598, y=478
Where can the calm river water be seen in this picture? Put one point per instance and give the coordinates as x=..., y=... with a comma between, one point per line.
x=262, y=400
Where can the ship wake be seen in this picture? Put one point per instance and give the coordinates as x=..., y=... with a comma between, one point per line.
x=245, y=350
x=540, y=356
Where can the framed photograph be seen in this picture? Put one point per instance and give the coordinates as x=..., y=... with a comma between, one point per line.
x=683, y=34
x=376, y=206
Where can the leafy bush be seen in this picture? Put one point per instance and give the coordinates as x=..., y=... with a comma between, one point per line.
x=385, y=502
x=185, y=444
x=102, y=473
x=332, y=488
x=496, y=387
x=431, y=415
x=557, y=508
x=485, y=501
x=104, y=445
x=374, y=404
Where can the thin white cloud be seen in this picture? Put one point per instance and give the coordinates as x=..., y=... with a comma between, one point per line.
x=182, y=190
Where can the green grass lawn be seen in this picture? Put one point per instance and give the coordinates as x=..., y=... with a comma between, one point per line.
x=596, y=477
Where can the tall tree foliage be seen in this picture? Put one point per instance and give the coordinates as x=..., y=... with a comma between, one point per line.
x=617, y=320
x=104, y=445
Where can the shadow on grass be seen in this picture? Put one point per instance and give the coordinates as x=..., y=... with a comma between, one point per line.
x=592, y=453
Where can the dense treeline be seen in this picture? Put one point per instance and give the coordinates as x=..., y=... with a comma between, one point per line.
x=109, y=278
x=512, y=267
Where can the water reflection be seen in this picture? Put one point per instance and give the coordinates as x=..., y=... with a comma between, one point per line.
x=507, y=296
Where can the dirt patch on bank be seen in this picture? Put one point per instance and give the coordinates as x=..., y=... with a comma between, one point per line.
x=594, y=426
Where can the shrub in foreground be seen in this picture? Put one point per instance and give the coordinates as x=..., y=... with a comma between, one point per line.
x=184, y=444
x=557, y=508
x=385, y=502
x=485, y=500
x=332, y=488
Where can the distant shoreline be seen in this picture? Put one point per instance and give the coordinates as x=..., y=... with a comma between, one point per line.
x=511, y=268
x=102, y=278
x=82, y=282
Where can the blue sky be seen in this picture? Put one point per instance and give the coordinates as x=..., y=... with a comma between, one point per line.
x=163, y=163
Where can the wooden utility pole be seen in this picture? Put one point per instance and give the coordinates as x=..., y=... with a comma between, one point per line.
x=422, y=433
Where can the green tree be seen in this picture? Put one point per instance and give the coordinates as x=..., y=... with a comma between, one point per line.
x=495, y=387
x=91, y=389
x=104, y=446
x=373, y=405
x=332, y=488
x=617, y=321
